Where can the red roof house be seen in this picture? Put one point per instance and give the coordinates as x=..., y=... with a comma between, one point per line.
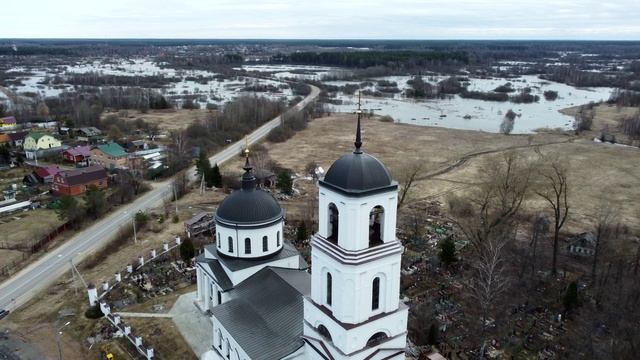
x=46, y=173
x=76, y=182
x=77, y=154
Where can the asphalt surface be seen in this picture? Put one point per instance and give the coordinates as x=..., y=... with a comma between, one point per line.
x=28, y=282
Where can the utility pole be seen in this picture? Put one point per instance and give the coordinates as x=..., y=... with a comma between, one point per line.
x=175, y=196
x=135, y=235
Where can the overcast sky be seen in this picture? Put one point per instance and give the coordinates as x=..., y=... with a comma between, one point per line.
x=322, y=19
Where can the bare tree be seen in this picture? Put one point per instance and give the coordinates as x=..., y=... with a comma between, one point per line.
x=489, y=211
x=554, y=189
x=406, y=174
x=489, y=279
x=603, y=231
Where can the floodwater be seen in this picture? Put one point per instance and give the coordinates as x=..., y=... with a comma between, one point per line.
x=211, y=90
x=452, y=112
x=471, y=114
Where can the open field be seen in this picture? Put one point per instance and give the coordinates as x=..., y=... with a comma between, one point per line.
x=606, y=116
x=595, y=169
x=167, y=120
x=20, y=230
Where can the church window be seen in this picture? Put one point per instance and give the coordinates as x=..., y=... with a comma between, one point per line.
x=322, y=330
x=228, y=350
x=377, y=338
x=265, y=243
x=278, y=239
x=219, y=241
x=230, y=244
x=375, y=294
x=219, y=297
x=376, y=228
x=334, y=216
x=247, y=246
x=219, y=339
x=328, y=289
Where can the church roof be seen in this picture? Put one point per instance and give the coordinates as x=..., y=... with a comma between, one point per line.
x=249, y=205
x=235, y=264
x=358, y=173
x=213, y=266
x=265, y=313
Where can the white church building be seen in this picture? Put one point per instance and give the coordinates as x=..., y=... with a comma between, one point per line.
x=265, y=302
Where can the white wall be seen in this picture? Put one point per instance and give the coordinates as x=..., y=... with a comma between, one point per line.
x=353, y=230
x=239, y=235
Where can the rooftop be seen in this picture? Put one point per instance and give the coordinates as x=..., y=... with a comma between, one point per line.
x=112, y=149
x=265, y=312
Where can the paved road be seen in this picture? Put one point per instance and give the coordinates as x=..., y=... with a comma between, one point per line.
x=29, y=281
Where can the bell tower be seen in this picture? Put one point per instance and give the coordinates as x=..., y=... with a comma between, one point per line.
x=354, y=311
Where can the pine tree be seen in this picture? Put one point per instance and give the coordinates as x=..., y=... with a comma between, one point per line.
x=448, y=251
x=302, y=234
x=285, y=183
x=203, y=166
x=570, y=300
x=214, y=178
x=187, y=250
x=434, y=334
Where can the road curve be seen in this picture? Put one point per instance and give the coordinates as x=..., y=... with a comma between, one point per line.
x=28, y=282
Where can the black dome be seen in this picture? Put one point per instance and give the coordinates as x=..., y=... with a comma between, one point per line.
x=358, y=172
x=249, y=206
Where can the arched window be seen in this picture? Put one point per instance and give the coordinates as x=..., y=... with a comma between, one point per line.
x=376, y=226
x=219, y=239
x=230, y=241
x=278, y=239
x=375, y=294
x=328, y=289
x=219, y=339
x=376, y=339
x=322, y=330
x=247, y=246
x=334, y=217
x=265, y=244
x=228, y=350
x=219, y=297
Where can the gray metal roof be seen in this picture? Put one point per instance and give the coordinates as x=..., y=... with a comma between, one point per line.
x=249, y=206
x=358, y=172
x=213, y=267
x=265, y=313
x=235, y=264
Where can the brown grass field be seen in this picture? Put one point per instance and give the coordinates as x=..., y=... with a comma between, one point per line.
x=595, y=169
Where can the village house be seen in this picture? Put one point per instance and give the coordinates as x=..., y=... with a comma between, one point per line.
x=16, y=139
x=75, y=182
x=583, y=244
x=78, y=155
x=111, y=156
x=41, y=175
x=8, y=122
x=89, y=134
x=36, y=144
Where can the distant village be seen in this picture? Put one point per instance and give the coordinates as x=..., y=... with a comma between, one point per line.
x=67, y=161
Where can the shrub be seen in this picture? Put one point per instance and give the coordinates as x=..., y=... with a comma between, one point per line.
x=93, y=312
x=550, y=95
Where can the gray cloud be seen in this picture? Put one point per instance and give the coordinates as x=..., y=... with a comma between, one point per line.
x=401, y=19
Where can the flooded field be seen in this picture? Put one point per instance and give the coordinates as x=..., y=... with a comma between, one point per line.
x=207, y=87
x=451, y=112
x=471, y=114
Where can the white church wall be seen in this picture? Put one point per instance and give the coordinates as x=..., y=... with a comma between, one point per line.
x=238, y=236
x=225, y=344
x=354, y=217
x=352, y=286
x=393, y=325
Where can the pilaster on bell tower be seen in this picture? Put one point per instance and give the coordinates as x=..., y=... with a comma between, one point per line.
x=354, y=307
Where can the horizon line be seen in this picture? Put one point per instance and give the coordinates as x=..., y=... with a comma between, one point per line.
x=313, y=39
